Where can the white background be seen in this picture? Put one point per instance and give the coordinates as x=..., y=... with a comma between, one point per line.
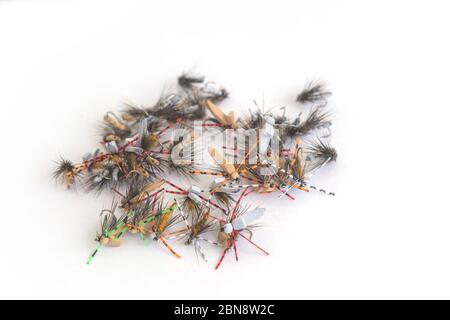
x=386, y=233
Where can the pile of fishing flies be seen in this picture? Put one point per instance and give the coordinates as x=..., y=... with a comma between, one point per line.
x=134, y=163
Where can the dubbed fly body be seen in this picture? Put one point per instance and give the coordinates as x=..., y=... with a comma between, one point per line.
x=149, y=218
x=112, y=229
x=314, y=92
x=239, y=223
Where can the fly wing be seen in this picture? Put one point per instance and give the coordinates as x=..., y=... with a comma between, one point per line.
x=248, y=218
